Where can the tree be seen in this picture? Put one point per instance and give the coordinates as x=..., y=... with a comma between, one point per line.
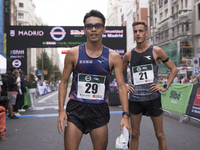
x=47, y=65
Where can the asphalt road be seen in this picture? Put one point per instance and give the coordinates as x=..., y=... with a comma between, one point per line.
x=37, y=130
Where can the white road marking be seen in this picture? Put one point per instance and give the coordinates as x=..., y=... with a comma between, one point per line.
x=44, y=99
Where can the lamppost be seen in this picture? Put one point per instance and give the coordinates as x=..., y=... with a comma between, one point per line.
x=42, y=77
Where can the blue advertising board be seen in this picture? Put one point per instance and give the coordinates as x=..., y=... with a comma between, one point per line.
x=1, y=28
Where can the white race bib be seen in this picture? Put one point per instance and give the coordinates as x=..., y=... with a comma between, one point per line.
x=91, y=86
x=143, y=74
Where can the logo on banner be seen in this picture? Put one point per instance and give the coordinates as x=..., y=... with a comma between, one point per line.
x=197, y=98
x=16, y=63
x=57, y=33
x=12, y=33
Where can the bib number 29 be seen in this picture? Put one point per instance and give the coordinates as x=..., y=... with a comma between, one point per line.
x=91, y=88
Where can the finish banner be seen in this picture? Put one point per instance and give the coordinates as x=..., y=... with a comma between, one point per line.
x=176, y=98
x=193, y=108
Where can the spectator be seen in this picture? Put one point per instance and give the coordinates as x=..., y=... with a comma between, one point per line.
x=32, y=85
x=12, y=92
x=16, y=107
x=176, y=80
x=23, y=88
x=198, y=79
x=5, y=85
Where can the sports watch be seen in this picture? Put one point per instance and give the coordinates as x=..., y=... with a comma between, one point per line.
x=126, y=113
x=166, y=86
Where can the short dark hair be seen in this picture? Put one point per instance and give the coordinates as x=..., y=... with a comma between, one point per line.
x=142, y=22
x=95, y=13
x=12, y=68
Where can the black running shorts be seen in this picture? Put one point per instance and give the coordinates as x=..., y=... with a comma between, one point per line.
x=87, y=117
x=149, y=108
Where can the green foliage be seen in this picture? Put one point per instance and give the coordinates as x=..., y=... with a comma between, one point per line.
x=48, y=65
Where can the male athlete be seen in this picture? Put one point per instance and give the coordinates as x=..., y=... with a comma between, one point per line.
x=145, y=98
x=87, y=110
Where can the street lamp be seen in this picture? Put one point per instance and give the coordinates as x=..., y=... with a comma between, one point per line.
x=42, y=77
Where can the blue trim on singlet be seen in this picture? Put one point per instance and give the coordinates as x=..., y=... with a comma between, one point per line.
x=92, y=66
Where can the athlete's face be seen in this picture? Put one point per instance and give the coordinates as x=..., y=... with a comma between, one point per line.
x=94, y=29
x=139, y=33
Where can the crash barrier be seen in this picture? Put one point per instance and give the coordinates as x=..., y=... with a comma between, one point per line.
x=41, y=90
x=45, y=89
x=183, y=99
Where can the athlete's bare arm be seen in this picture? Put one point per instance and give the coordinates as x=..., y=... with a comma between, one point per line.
x=159, y=54
x=126, y=61
x=69, y=64
x=115, y=62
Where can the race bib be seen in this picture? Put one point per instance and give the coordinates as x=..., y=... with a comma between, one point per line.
x=143, y=74
x=91, y=87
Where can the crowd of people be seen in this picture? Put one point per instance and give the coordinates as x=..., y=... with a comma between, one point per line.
x=181, y=79
x=22, y=91
x=18, y=92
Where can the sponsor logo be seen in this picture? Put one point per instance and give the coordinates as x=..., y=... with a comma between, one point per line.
x=57, y=33
x=30, y=33
x=197, y=98
x=138, y=69
x=17, y=52
x=148, y=57
x=12, y=33
x=100, y=61
x=175, y=95
x=88, y=78
x=85, y=61
x=16, y=63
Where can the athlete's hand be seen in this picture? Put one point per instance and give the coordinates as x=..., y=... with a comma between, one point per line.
x=125, y=123
x=131, y=88
x=62, y=116
x=155, y=88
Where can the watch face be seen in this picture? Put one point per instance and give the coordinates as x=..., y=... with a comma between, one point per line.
x=165, y=86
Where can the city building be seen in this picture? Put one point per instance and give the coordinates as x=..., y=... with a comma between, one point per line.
x=124, y=13
x=196, y=28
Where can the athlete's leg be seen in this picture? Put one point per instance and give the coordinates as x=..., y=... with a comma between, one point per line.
x=99, y=137
x=72, y=137
x=158, y=127
x=135, y=130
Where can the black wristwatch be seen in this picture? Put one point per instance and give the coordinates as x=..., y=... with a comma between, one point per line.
x=166, y=86
x=126, y=113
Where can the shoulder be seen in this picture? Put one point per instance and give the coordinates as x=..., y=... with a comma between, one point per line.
x=73, y=50
x=113, y=54
x=157, y=49
x=127, y=54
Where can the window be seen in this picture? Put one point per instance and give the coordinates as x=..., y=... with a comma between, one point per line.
x=199, y=10
x=177, y=8
x=20, y=24
x=21, y=5
x=177, y=29
x=172, y=10
x=173, y=32
x=186, y=3
x=166, y=12
x=161, y=16
x=187, y=27
x=20, y=15
x=160, y=3
x=166, y=1
x=181, y=4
